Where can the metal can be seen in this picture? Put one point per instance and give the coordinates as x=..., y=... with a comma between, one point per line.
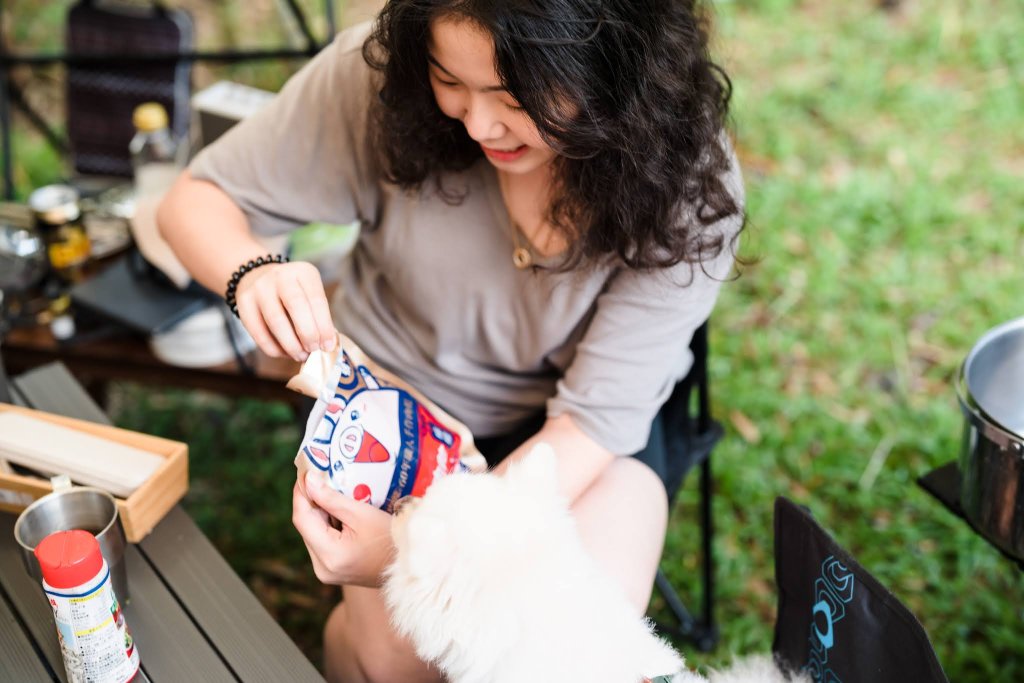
x=58, y=219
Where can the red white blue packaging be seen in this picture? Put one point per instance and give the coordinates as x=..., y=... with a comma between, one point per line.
x=94, y=640
x=372, y=436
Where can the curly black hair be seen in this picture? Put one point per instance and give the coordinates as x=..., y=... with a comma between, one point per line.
x=641, y=152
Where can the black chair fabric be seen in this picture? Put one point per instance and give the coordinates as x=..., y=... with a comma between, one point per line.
x=101, y=98
x=690, y=433
x=835, y=620
x=685, y=419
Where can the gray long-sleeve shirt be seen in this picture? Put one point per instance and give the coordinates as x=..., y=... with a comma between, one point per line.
x=430, y=291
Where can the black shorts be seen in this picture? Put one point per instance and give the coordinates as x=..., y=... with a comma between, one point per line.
x=664, y=453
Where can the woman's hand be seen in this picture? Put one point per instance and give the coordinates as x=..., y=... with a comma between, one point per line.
x=355, y=555
x=284, y=308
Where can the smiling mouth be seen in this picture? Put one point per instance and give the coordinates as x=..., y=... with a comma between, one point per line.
x=504, y=154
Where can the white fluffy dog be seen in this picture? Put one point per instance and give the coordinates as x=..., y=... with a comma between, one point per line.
x=491, y=583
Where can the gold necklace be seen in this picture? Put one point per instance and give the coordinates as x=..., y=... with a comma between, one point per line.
x=521, y=256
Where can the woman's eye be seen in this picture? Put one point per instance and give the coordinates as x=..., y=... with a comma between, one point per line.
x=450, y=84
x=513, y=107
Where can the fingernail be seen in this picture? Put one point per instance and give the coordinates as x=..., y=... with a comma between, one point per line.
x=313, y=481
x=328, y=345
x=302, y=357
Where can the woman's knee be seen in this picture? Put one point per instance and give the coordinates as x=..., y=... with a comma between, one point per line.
x=379, y=665
x=622, y=519
x=640, y=485
x=360, y=650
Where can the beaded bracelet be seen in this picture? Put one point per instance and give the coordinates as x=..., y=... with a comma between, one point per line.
x=229, y=295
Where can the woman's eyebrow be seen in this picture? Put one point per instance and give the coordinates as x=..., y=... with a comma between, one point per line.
x=432, y=60
x=489, y=88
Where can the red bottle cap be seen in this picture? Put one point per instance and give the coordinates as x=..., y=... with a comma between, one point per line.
x=69, y=558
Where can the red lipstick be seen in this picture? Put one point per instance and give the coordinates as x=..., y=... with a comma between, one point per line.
x=505, y=154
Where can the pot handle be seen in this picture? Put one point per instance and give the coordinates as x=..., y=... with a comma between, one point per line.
x=1000, y=437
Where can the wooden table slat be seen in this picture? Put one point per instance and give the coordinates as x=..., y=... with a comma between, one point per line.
x=27, y=599
x=191, y=615
x=53, y=386
x=255, y=646
x=170, y=646
x=175, y=651
x=18, y=659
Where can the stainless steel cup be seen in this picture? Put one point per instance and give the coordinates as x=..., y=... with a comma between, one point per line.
x=75, y=507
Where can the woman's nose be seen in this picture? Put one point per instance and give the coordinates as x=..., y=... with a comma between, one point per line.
x=482, y=123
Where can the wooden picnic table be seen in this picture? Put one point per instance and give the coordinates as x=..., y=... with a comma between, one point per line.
x=127, y=357
x=192, y=617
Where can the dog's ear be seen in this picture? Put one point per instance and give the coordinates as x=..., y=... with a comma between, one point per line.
x=538, y=471
x=430, y=545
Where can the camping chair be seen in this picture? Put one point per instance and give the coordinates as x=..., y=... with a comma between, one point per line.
x=101, y=96
x=835, y=620
x=179, y=56
x=690, y=433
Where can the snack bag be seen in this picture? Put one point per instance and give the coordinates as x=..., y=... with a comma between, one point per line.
x=372, y=436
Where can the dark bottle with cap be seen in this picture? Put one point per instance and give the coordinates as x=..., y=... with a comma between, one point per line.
x=58, y=220
x=94, y=639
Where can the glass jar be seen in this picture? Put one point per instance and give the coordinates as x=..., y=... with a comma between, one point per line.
x=58, y=220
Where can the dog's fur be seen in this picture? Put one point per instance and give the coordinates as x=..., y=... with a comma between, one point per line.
x=491, y=583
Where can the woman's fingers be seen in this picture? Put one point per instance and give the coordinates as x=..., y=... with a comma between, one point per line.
x=318, y=567
x=279, y=323
x=312, y=524
x=298, y=308
x=343, y=508
x=286, y=310
x=313, y=286
x=328, y=550
x=357, y=553
x=252, y=320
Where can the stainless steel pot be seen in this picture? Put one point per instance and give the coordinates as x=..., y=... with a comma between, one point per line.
x=990, y=388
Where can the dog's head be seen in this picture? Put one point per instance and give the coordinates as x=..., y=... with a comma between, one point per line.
x=472, y=524
x=469, y=547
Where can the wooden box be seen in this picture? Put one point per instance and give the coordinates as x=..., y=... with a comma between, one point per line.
x=144, y=508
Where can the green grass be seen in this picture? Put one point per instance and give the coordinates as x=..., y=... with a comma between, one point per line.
x=882, y=155
x=884, y=159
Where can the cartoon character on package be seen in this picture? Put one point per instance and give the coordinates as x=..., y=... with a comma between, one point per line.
x=371, y=435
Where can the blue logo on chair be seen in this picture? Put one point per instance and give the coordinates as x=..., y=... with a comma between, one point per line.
x=832, y=591
x=825, y=638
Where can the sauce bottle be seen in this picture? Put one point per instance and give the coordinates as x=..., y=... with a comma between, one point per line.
x=94, y=639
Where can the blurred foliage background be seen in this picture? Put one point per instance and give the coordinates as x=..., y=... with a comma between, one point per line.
x=883, y=149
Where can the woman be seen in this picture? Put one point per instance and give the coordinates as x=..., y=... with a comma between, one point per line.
x=548, y=206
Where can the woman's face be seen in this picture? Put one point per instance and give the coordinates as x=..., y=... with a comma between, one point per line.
x=467, y=88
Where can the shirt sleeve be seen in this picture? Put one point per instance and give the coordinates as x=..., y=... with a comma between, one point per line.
x=305, y=156
x=636, y=347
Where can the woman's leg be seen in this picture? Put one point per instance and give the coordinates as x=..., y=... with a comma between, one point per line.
x=361, y=647
x=622, y=519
